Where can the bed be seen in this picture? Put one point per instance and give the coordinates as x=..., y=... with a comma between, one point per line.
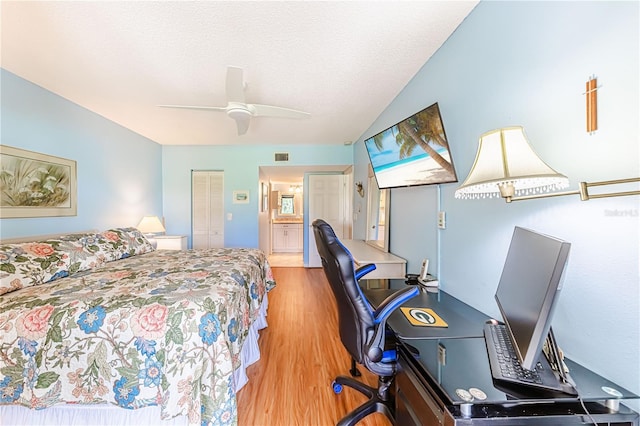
x=101, y=326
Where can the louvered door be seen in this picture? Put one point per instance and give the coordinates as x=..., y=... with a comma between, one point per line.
x=207, y=199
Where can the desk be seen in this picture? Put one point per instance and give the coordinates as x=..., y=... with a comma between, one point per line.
x=462, y=319
x=387, y=265
x=436, y=363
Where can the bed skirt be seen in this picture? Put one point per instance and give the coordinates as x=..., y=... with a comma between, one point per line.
x=108, y=415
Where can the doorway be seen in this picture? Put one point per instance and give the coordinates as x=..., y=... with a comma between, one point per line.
x=327, y=193
x=293, y=176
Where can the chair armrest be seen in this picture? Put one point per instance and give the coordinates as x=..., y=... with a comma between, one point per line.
x=392, y=302
x=374, y=348
x=363, y=270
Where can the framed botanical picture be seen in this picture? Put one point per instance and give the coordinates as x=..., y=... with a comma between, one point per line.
x=36, y=185
x=241, y=197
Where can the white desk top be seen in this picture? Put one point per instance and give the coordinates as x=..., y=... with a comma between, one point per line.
x=364, y=253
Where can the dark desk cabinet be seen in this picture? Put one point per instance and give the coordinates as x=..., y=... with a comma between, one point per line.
x=415, y=405
x=421, y=401
x=438, y=367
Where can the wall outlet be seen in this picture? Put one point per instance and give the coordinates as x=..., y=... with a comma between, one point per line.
x=442, y=220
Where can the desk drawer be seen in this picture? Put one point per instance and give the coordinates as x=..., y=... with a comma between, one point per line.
x=414, y=405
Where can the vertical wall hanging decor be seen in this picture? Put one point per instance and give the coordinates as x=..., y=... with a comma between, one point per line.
x=591, y=95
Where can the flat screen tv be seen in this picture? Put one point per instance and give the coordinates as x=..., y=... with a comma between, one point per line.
x=413, y=152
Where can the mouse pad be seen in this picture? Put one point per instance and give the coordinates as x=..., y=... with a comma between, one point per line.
x=423, y=317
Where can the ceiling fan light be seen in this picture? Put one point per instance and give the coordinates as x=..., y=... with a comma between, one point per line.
x=240, y=111
x=242, y=117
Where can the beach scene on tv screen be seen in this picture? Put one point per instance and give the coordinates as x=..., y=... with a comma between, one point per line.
x=413, y=152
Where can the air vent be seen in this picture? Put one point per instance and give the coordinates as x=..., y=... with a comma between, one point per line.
x=282, y=156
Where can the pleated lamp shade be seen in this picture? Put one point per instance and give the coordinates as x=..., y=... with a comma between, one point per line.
x=507, y=166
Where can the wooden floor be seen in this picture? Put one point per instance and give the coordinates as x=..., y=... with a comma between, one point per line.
x=301, y=354
x=286, y=260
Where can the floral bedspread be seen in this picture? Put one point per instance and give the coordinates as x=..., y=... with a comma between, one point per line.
x=162, y=328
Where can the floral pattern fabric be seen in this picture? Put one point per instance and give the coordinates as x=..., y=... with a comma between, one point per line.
x=164, y=328
x=34, y=263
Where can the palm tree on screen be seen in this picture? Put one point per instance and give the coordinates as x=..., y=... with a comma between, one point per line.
x=419, y=130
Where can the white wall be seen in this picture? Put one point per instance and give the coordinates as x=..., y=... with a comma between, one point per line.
x=526, y=63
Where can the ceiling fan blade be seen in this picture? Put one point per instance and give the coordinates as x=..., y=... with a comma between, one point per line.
x=274, y=111
x=209, y=108
x=242, y=121
x=235, y=85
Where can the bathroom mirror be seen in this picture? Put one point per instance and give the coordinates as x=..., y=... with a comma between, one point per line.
x=377, y=216
x=287, y=205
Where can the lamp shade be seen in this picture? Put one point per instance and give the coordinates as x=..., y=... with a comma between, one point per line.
x=150, y=225
x=506, y=165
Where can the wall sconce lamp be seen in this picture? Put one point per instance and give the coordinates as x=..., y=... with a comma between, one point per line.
x=360, y=189
x=507, y=166
x=591, y=95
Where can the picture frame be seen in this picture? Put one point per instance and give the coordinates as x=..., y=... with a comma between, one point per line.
x=241, y=197
x=265, y=197
x=33, y=184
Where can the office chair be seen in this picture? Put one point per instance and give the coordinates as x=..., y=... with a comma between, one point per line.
x=362, y=329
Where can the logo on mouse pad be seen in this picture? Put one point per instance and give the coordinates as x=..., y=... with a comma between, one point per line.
x=423, y=317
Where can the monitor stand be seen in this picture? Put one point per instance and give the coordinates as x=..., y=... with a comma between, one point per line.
x=552, y=352
x=556, y=381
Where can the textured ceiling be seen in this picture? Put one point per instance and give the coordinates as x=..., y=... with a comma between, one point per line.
x=343, y=62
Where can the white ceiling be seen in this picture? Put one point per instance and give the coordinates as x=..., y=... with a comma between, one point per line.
x=341, y=61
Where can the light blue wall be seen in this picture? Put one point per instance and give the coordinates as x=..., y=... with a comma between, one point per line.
x=526, y=63
x=119, y=172
x=509, y=63
x=240, y=164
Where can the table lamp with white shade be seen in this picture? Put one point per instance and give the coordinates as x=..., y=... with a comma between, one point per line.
x=151, y=226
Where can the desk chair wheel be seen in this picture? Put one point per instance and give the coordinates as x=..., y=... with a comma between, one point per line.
x=337, y=387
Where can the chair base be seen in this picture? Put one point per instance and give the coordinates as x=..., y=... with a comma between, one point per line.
x=354, y=369
x=379, y=400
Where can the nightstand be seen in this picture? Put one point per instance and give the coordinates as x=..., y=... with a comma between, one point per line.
x=171, y=242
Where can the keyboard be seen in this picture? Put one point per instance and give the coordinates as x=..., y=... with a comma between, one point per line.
x=501, y=351
x=506, y=367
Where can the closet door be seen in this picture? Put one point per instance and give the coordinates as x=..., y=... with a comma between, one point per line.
x=207, y=209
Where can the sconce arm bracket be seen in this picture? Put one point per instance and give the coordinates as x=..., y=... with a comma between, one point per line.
x=584, y=191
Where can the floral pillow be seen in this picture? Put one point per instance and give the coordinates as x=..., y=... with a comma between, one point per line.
x=132, y=240
x=93, y=250
x=86, y=251
x=27, y=264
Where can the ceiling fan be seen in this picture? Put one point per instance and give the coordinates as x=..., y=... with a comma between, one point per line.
x=240, y=111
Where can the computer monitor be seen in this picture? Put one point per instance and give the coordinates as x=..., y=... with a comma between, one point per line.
x=529, y=288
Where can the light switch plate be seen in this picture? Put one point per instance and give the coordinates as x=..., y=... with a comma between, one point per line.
x=442, y=220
